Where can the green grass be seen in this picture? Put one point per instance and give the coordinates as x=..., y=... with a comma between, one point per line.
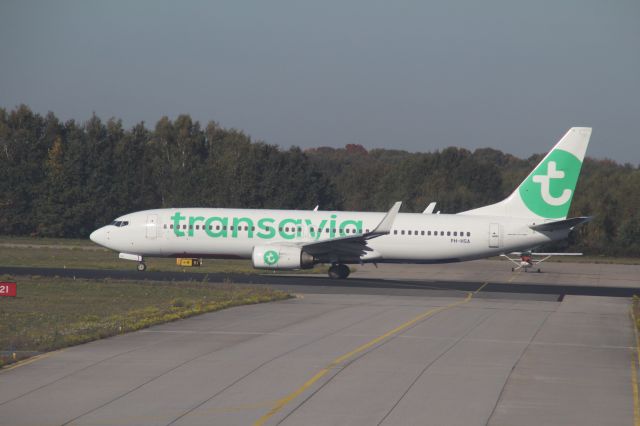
x=36, y=241
x=60, y=253
x=52, y=313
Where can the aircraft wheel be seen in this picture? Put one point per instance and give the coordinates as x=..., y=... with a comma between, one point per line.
x=538, y=269
x=338, y=272
x=333, y=272
x=142, y=267
x=343, y=271
x=513, y=269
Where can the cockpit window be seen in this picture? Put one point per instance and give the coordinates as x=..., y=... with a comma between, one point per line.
x=119, y=223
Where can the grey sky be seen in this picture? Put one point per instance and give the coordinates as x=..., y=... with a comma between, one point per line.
x=411, y=75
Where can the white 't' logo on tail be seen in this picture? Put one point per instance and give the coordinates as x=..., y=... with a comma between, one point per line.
x=544, y=181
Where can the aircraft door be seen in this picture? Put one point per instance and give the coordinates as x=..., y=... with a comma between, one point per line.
x=494, y=235
x=152, y=226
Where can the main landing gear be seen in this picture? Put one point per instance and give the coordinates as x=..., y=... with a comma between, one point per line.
x=142, y=266
x=339, y=271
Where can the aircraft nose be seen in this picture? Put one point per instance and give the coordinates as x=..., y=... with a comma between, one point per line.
x=98, y=236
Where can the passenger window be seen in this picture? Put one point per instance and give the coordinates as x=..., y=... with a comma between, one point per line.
x=190, y=226
x=421, y=232
x=441, y=233
x=448, y=233
x=409, y=232
x=468, y=234
x=395, y=232
x=171, y=226
x=428, y=232
x=246, y=228
x=455, y=233
x=197, y=226
x=184, y=226
x=217, y=227
x=402, y=232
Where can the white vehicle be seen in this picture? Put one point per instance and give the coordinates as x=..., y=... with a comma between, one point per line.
x=534, y=214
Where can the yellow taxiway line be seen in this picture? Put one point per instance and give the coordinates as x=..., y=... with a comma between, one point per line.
x=28, y=361
x=281, y=403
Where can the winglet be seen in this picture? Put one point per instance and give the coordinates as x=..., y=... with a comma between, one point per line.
x=430, y=208
x=384, y=227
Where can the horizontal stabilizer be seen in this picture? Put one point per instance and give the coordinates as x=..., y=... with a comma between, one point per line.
x=561, y=224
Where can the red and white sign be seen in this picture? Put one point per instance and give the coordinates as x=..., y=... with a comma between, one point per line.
x=8, y=289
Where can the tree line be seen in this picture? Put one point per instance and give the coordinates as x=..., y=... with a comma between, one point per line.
x=65, y=179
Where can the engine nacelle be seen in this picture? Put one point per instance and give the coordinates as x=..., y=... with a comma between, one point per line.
x=281, y=257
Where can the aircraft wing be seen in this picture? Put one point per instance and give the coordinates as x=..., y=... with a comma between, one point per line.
x=352, y=245
x=561, y=224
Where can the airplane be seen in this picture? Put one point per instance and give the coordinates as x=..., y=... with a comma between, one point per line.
x=526, y=259
x=534, y=214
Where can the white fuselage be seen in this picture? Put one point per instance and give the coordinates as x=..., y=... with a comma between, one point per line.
x=233, y=233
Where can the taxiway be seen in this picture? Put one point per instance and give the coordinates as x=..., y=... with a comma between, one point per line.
x=371, y=351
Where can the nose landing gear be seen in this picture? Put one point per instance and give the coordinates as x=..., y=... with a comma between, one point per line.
x=339, y=271
x=142, y=266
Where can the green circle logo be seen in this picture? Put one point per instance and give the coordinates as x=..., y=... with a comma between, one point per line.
x=270, y=257
x=548, y=191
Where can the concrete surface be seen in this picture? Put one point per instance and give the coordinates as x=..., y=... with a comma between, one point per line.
x=499, y=271
x=466, y=359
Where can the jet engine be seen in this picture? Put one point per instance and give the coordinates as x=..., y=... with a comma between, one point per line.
x=281, y=257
